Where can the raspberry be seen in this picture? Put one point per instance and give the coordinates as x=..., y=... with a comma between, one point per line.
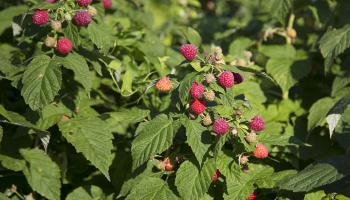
x=50, y=1
x=189, y=51
x=220, y=126
x=168, y=166
x=210, y=78
x=67, y=16
x=83, y=3
x=107, y=4
x=257, y=123
x=40, y=17
x=56, y=25
x=252, y=196
x=82, y=18
x=209, y=95
x=164, y=85
x=238, y=78
x=50, y=42
x=196, y=90
x=64, y=46
x=243, y=160
x=92, y=11
x=291, y=33
x=197, y=106
x=216, y=175
x=234, y=132
x=260, y=151
x=207, y=120
x=250, y=137
x=226, y=79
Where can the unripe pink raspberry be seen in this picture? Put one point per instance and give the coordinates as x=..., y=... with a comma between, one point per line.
x=50, y=42
x=257, y=123
x=83, y=3
x=107, y=4
x=64, y=46
x=50, y=1
x=82, y=18
x=226, y=79
x=209, y=95
x=238, y=78
x=220, y=126
x=216, y=175
x=207, y=120
x=197, y=106
x=197, y=90
x=189, y=51
x=56, y=25
x=251, y=137
x=164, y=85
x=243, y=160
x=260, y=151
x=210, y=78
x=40, y=17
x=252, y=196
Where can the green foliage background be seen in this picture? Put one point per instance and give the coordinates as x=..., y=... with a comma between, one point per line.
x=119, y=122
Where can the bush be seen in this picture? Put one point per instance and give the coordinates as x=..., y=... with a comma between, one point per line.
x=174, y=99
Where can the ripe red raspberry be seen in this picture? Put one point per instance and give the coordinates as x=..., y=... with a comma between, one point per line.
x=238, y=78
x=64, y=46
x=107, y=4
x=257, y=123
x=197, y=106
x=189, y=51
x=220, y=126
x=196, y=90
x=82, y=18
x=40, y=17
x=50, y=1
x=252, y=196
x=226, y=79
x=164, y=85
x=260, y=151
x=216, y=175
x=83, y=3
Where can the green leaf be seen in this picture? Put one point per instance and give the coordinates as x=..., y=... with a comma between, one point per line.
x=313, y=176
x=1, y=133
x=318, y=112
x=4, y=197
x=185, y=86
x=336, y=112
x=7, y=14
x=191, y=183
x=41, y=82
x=16, y=119
x=100, y=36
x=334, y=42
x=119, y=121
x=152, y=137
x=42, y=174
x=90, y=136
x=151, y=188
x=126, y=89
x=315, y=195
x=12, y=163
x=287, y=72
x=198, y=140
x=87, y=193
x=239, y=187
x=239, y=45
x=280, y=9
x=339, y=83
x=78, y=65
x=278, y=51
x=191, y=35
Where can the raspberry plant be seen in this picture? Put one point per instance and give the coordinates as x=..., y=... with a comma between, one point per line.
x=114, y=99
